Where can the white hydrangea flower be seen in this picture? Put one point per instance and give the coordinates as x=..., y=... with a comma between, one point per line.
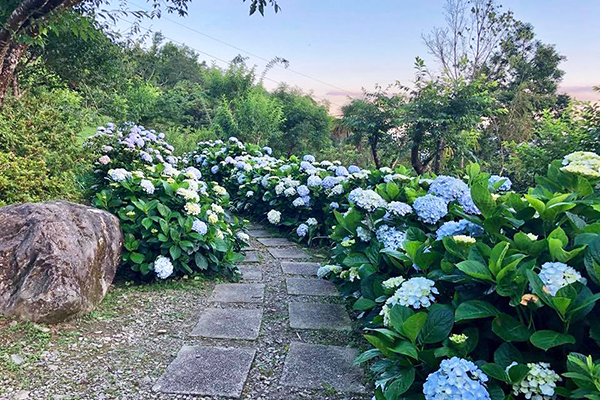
x=163, y=268
x=147, y=186
x=464, y=239
x=312, y=222
x=538, y=384
x=212, y=217
x=188, y=194
x=217, y=208
x=393, y=283
x=243, y=237
x=556, y=275
x=325, y=270
x=416, y=293
x=274, y=217
x=192, y=208
x=363, y=234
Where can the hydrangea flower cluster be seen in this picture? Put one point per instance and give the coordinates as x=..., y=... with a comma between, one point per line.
x=448, y=188
x=456, y=379
x=147, y=185
x=325, y=270
x=462, y=227
x=163, y=268
x=504, y=187
x=199, y=227
x=119, y=174
x=416, y=293
x=391, y=238
x=368, y=200
x=398, y=209
x=363, y=234
x=302, y=230
x=557, y=275
x=430, y=209
x=466, y=202
x=538, y=384
x=393, y=283
x=274, y=217
x=583, y=163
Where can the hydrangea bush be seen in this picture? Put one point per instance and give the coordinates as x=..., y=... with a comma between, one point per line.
x=173, y=221
x=466, y=289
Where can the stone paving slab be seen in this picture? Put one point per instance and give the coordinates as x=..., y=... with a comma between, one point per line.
x=250, y=273
x=288, y=253
x=251, y=256
x=300, y=267
x=319, y=316
x=248, y=247
x=207, y=371
x=261, y=233
x=232, y=323
x=310, y=287
x=238, y=293
x=313, y=366
x=274, y=242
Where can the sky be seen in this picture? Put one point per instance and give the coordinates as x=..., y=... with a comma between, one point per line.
x=337, y=47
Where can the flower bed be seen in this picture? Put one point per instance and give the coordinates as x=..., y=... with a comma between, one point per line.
x=466, y=289
x=174, y=223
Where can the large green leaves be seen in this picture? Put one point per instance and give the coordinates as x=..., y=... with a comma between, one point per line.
x=547, y=339
x=475, y=309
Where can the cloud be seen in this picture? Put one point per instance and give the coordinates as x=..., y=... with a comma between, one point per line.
x=585, y=93
x=344, y=94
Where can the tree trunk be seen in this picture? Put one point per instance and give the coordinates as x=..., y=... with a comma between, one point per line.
x=437, y=166
x=8, y=67
x=375, y=155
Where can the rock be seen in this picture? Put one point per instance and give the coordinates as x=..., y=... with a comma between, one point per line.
x=57, y=259
x=17, y=359
x=21, y=395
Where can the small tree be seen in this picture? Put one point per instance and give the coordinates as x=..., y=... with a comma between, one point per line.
x=373, y=119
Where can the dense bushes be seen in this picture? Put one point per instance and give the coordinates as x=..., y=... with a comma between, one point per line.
x=41, y=157
x=466, y=288
x=174, y=223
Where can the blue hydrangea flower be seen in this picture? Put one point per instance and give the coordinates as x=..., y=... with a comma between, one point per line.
x=466, y=202
x=214, y=169
x=298, y=202
x=309, y=158
x=193, y=172
x=305, y=165
x=399, y=209
x=430, y=209
x=457, y=379
x=462, y=227
x=268, y=150
x=303, y=190
x=557, y=275
x=506, y=185
x=302, y=230
x=391, y=238
x=147, y=186
x=353, y=169
x=329, y=182
x=119, y=174
x=199, y=227
x=366, y=199
x=448, y=188
x=334, y=205
x=313, y=181
x=341, y=171
x=146, y=157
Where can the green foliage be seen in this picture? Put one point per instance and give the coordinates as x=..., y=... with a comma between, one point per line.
x=41, y=157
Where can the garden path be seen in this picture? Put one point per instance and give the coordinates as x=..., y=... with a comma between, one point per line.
x=280, y=333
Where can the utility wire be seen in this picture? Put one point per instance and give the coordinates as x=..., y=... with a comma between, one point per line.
x=244, y=51
x=220, y=59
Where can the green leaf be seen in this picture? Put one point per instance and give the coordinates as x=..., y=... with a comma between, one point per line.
x=413, y=325
x=400, y=385
x=367, y=355
x=509, y=329
x=495, y=371
x=201, y=261
x=440, y=320
x=506, y=354
x=497, y=256
x=475, y=269
x=175, y=251
x=136, y=258
x=147, y=223
x=407, y=349
x=475, y=309
x=548, y=339
x=483, y=199
x=355, y=260
x=363, y=304
x=516, y=373
x=537, y=204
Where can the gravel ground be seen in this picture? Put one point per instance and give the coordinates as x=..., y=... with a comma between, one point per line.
x=121, y=349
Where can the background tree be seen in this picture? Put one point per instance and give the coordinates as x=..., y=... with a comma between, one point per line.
x=372, y=119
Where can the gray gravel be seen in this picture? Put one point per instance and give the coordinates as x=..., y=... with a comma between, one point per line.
x=121, y=349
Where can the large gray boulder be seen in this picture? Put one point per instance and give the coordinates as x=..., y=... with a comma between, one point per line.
x=57, y=259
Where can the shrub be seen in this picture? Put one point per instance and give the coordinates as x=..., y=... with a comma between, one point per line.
x=464, y=286
x=40, y=156
x=173, y=222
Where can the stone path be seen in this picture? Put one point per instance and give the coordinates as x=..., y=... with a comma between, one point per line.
x=280, y=333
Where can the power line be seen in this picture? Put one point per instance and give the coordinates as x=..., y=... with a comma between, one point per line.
x=244, y=51
x=219, y=59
